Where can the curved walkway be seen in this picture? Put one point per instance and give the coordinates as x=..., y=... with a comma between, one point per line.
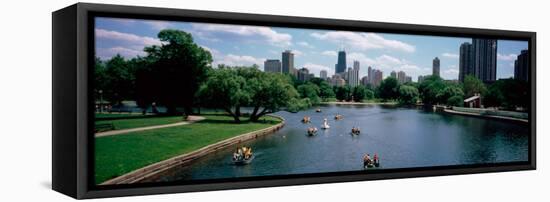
x=486, y=116
x=190, y=119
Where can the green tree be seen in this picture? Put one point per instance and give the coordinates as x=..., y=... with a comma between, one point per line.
x=178, y=67
x=389, y=89
x=361, y=92
x=342, y=92
x=119, y=80
x=430, y=90
x=325, y=90
x=270, y=92
x=472, y=86
x=311, y=91
x=231, y=88
x=451, y=95
x=507, y=93
x=227, y=90
x=408, y=94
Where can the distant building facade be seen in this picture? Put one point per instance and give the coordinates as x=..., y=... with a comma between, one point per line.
x=340, y=67
x=337, y=80
x=393, y=74
x=303, y=74
x=436, y=67
x=401, y=77
x=353, y=74
x=521, y=66
x=323, y=74
x=485, y=59
x=288, y=63
x=465, y=61
x=272, y=66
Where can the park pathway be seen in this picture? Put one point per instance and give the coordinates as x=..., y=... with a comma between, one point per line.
x=190, y=120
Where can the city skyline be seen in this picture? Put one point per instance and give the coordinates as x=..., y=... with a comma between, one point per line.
x=314, y=49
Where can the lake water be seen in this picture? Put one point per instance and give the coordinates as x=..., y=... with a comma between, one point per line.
x=402, y=137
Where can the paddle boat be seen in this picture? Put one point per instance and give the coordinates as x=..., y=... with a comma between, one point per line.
x=325, y=124
x=243, y=156
x=355, y=131
x=311, y=131
x=306, y=119
x=371, y=163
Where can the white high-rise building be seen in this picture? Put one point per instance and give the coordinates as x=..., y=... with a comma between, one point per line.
x=323, y=74
x=353, y=75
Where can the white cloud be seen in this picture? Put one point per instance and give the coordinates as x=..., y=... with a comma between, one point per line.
x=363, y=41
x=108, y=53
x=330, y=53
x=298, y=53
x=509, y=57
x=305, y=44
x=128, y=45
x=316, y=68
x=237, y=60
x=273, y=37
x=450, y=55
x=126, y=37
x=158, y=25
x=212, y=51
x=450, y=72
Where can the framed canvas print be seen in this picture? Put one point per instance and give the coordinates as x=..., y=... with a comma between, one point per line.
x=154, y=100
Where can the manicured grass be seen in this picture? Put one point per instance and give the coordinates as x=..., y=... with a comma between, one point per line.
x=120, y=154
x=132, y=122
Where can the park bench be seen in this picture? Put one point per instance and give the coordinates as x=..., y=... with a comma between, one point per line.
x=104, y=127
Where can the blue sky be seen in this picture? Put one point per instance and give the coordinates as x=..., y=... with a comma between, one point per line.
x=314, y=49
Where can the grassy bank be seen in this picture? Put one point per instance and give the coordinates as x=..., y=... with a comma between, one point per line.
x=134, y=121
x=119, y=154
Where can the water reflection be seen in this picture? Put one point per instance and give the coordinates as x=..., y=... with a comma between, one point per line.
x=402, y=137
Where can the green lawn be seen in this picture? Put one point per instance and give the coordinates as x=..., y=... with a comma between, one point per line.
x=133, y=122
x=119, y=154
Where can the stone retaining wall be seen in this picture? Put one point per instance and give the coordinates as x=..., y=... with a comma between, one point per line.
x=151, y=171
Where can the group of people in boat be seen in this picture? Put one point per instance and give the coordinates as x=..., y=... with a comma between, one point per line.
x=242, y=153
x=306, y=119
x=369, y=162
x=311, y=131
x=355, y=131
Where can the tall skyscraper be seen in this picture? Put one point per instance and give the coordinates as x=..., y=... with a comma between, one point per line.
x=466, y=61
x=323, y=74
x=341, y=65
x=393, y=74
x=521, y=66
x=369, y=75
x=436, y=67
x=378, y=75
x=485, y=59
x=401, y=77
x=353, y=75
x=272, y=66
x=365, y=81
x=303, y=74
x=288, y=62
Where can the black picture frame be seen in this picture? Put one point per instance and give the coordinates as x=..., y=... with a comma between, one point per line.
x=72, y=70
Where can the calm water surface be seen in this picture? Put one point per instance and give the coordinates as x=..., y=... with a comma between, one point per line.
x=402, y=137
